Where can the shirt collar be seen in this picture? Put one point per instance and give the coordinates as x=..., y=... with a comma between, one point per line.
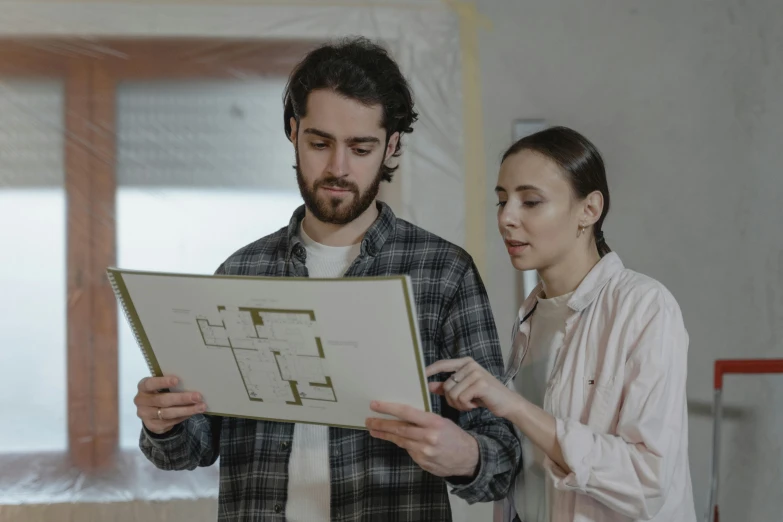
x=374, y=239
x=588, y=289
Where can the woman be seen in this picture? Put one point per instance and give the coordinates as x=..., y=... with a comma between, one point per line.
x=596, y=379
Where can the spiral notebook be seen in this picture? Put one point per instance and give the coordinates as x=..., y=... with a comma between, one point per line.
x=285, y=349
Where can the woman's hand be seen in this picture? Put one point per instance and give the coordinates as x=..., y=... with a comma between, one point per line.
x=471, y=386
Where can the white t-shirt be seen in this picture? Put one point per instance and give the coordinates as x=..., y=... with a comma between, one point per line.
x=309, y=491
x=547, y=329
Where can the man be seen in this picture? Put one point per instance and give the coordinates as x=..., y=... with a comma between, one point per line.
x=346, y=108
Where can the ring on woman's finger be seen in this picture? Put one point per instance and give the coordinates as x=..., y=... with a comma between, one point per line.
x=159, y=416
x=454, y=378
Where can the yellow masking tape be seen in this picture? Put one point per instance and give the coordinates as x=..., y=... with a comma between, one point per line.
x=473, y=134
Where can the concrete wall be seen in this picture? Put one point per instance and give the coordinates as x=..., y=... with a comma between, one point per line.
x=684, y=99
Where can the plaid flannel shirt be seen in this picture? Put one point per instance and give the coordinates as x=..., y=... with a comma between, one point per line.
x=371, y=479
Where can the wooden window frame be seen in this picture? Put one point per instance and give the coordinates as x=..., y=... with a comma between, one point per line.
x=91, y=71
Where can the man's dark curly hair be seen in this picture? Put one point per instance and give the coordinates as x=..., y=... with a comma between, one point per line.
x=358, y=69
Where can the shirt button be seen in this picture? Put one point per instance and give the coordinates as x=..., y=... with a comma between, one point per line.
x=285, y=445
x=336, y=453
x=278, y=508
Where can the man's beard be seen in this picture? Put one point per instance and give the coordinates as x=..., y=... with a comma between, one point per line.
x=334, y=210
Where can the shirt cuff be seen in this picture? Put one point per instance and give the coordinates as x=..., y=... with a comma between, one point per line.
x=576, y=445
x=159, y=440
x=464, y=487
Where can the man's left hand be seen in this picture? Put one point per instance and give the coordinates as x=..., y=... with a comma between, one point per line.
x=435, y=443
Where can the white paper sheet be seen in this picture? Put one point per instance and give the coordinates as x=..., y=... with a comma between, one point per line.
x=289, y=349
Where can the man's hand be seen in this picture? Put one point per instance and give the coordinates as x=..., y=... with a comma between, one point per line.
x=436, y=444
x=162, y=411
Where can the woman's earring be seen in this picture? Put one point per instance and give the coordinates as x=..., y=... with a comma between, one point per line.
x=581, y=229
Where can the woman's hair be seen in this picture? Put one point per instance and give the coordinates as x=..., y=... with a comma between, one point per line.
x=581, y=162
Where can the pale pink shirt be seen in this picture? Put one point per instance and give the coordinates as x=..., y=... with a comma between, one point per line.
x=618, y=393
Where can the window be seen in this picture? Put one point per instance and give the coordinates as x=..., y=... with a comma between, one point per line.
x=32, y=265
x=203, y=168
x=171, y=162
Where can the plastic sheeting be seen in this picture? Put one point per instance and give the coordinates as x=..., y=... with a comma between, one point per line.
x=190, y=131
x=51, y=479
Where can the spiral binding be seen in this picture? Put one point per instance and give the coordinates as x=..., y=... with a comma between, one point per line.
x=135, y=332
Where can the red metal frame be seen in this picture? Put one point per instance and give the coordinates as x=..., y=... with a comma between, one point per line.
x=747, y=366
x=724, y=367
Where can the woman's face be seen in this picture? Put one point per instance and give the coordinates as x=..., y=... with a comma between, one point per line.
x=538, y=215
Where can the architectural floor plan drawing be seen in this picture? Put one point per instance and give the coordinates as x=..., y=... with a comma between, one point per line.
x=278, y=352
x=281, y=349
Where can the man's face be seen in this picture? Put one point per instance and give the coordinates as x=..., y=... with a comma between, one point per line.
x=340, y=149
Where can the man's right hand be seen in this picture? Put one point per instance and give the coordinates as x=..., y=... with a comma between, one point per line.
x=162, y=411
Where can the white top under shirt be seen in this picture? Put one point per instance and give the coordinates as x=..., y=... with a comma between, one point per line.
x=309, y=491
x=547, y=329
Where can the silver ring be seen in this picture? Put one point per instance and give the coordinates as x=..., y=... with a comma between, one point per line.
x=159, y=417
x=454, y=378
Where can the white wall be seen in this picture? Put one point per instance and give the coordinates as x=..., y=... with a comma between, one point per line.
x=685, y=100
